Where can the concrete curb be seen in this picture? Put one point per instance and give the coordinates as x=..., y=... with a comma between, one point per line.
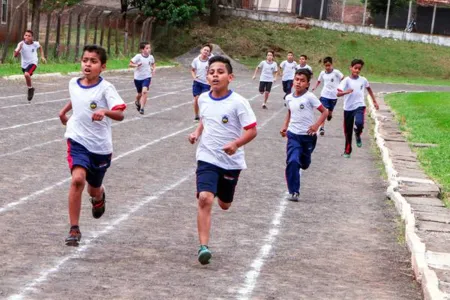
x=129, y=70
x=424, y=275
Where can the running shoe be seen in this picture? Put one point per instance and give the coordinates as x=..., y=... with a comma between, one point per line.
x=138, y=105
x=264, y=106
x=30, y=93
x=197, y=119
x=204, y=255
x=322, y=131
x=141, y=111
x=358, y=140
x=346, y=155
x=98, y=207
x=74, y=236
x=329, y=118
x=293, y=197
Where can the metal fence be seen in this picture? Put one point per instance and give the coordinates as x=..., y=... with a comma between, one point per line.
x=422, y=16
x=63, y=33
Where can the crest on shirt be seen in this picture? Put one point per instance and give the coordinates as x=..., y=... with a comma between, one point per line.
x=302, y=106
x=362, y=86
x=332, y=79
x=93, y=105
x=32, y=50
x=225, y=119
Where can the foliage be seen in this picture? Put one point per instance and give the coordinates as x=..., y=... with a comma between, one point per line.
x=380, y=6
x=176, y=12
x=48, y=5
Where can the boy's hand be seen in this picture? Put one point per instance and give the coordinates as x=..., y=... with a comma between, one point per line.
x=98, y=115
x=43, y=60
x=193, y=137
x=375, y=103
x=230, y=148
x=312, y=130
x=283, y=131
x=63, y=119
x=253, y=78
x=349, y=91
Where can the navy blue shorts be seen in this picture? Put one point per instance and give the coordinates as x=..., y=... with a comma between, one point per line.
x=95, y=164
x=30, y=69
x=142, y=83
x=222, y=183
x=199, y=88
x=287, y=86
x=328, y=103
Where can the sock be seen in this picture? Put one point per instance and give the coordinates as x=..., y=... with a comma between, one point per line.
x=74, y=227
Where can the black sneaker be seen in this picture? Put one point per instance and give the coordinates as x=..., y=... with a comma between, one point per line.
x=30, y=93
x=329, y=118
x=293, y=197
x=197, y=119
x=74, y=237
x=358, y=140
x=264, y=106
x=141, y=111
x=138, y=105
x=322, y=131
x=98, y=207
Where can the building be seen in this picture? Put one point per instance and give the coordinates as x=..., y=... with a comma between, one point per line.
x=7, y=9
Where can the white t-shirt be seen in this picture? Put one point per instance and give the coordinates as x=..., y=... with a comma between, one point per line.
x=201, y=69
x=330, y=82
x=302, y=112
x=288, y=70
x=355, y=99
x=144, y=71
x=267, y=70
x=304, y=67
x=28, y=54
x=224, y=120
x=94, y=135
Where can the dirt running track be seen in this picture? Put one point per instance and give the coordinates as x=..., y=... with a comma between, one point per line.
x=338, y=242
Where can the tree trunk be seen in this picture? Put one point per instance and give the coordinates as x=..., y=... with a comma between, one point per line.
x=35, y=18
x=214, y=13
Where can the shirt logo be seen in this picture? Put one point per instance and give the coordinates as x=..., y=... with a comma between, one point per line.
x=302, y=106
x=332, y=80
x=93, y=105
x=225, y=119
x=362, y=86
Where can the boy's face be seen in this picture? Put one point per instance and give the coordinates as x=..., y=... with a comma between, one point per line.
x=302, y=60
x=269, y=56
x=146, y=50
x=28, y=37
x=205, y=51
x=328, y=66
x=300, y=83
x=356, y=69
x=218, y=76
x=290, y=57
x=91, y=65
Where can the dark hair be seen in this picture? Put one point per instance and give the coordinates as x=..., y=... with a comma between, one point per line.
x=328, y=59
x=303, y=55
x=357, y=61
x=97, y=49
x=29, y=31
x=223, y=60
x=143, y=44
x=305, y=72
x=208, y=45
x=271, y=51
x=290, y=52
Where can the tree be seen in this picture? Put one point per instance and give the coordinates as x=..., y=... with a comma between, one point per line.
x=380, y=6
x=214, y=13
x=176, y=12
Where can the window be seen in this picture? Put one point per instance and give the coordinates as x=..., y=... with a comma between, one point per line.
x=4, y=16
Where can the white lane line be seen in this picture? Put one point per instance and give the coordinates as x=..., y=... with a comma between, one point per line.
x=45, y=274
x=24, y=95
x=22, y=200
x=30, y=147
x=88, y=243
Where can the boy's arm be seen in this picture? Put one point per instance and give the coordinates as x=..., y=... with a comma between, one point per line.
x=193, y=137
x=193, y=73
x=116, y=114
x=313, y=128
x=341, y=93
x=42, y=55
x=153, y=68
x=375, y=103
x=18, y=49
x=256, y=71
x=134, y=65
x=284, y=128
x=248, y=135
x=317, y=84
x=63, y=112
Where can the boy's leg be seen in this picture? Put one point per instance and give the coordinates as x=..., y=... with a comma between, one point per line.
x=196, y=108
x=226, y=188
x=293, y=150
x=28, y=79
x=76, y=189
x=308, y=143
x=285, y=88
x=145, y=88
x=205, y=202
x=349, y=119
x=138, y=85
x=99, y=164
x=359, y=124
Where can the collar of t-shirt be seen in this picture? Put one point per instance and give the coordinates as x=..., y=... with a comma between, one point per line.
x=220, y=98
x=89, y=86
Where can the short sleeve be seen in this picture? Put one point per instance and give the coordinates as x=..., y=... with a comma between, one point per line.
x=113, y=99
x=152, y=60
x=366, y=83
x=339, y=74
x=245, y=114
x=276, y=67
x=261, y=64
x=343, y=85
x=320, y=76
x=135, y=59
x=37, y=45
x=282, y=64
x=314, y=102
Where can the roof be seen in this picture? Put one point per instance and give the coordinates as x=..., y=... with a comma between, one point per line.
x=433, y=2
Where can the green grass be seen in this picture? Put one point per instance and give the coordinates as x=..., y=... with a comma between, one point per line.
x=387, y=60
x=425, y=117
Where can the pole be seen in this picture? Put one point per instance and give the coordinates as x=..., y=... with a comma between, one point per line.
x=365, y=13
x=386, y=25
x=321, y=9
x=343, y=11
x=434, y=18
x=300, y=9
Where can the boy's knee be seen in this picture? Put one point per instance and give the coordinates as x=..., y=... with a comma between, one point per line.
x=205, y=199
x=78, y=181
x=305, y=166
x=224, y=205
x=27, y=75
x=144, y=91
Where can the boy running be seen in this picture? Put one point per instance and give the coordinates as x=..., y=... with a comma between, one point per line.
x=227, y=123
x=144, y=64
x=269, y=70
x=354, y=106
x=199, y=70
x=95, y=102
x=301, y=130
x=287, y=68
x=331, y=79
x=302, y=63
x=29, y=59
